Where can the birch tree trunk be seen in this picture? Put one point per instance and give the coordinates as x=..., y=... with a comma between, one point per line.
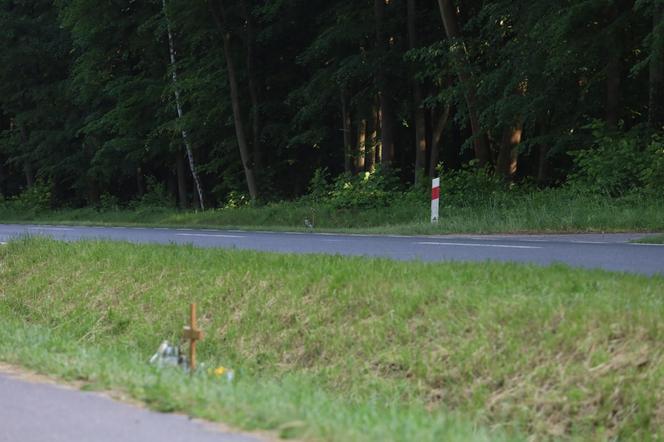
x=235, y=101
x=178, y=105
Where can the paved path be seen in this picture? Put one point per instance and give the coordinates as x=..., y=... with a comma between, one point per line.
x=39, y=412
x=606, y=251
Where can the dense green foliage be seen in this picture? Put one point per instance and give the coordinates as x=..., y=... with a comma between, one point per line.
x=272, y=91
x=348, y=349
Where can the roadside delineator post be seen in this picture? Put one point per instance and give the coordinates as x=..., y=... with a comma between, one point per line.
x=435, y=200
x=193, y=334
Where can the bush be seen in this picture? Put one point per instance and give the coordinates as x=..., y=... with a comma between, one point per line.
x=35, y=198
x=616, y=165
x=469, y=186
x=156, y=196
x=653, y=174
x=108, y=202
x=236, y=200
x=319, y=187
x=369, y=190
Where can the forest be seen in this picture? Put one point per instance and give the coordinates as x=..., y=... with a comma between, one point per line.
x=208, y=103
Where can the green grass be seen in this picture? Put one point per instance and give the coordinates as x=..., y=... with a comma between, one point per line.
x=336, y=348
x=543, y=211
x=657, y=239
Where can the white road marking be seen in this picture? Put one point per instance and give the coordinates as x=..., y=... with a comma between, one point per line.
x=209, y=235
x=336, y=240
x=645, y=244
x=51, y=228
x=458, y=244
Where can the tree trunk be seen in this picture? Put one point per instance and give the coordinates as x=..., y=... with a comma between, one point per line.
x=348, y=134
x=436, y=139
x=361, y=147
x=543, y=165
x=656, y=82
x=388, y=117
x=140, y=182
x=29, y=175
x=3, y=189
x=253, y=90
x=181, y=181
x=372, y=134
x=27, y=166
x=613, y=72
x=509, y=152
x=450, y=22
x=378, y=151
x=185, y=137
x=235, y=102
x=419, y=115
x=93, y=191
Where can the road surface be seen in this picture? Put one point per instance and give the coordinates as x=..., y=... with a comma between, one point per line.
x=40, y=412
x=606, y=251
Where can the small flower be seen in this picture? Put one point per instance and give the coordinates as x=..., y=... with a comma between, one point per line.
x=219, y=371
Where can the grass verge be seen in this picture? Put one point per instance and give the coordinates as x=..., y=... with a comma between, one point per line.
x=335, y=348
x=544, y=211
x=657, y=239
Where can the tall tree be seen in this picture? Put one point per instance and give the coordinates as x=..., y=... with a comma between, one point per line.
x=656, y=63
x=220, y=15
x=178, y=106
x=450, y=18
x=387, y=110
x=419, y=114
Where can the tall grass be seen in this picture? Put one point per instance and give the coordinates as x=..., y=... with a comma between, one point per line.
x=540, y=211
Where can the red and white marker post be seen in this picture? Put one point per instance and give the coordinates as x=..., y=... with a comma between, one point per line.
x=435, y=200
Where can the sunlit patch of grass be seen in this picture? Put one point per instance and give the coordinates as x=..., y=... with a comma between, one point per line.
x=336, y=348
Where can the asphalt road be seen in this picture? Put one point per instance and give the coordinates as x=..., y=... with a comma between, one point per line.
x=39, y=412
x=606, y=251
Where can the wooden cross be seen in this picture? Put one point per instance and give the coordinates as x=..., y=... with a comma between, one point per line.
x=193, y=334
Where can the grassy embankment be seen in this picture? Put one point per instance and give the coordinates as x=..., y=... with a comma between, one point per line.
x=543, y=211
x=335, y=348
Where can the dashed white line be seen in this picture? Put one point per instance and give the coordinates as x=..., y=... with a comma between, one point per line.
x=208, y=235
x=459, y=244
x=51, y=228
